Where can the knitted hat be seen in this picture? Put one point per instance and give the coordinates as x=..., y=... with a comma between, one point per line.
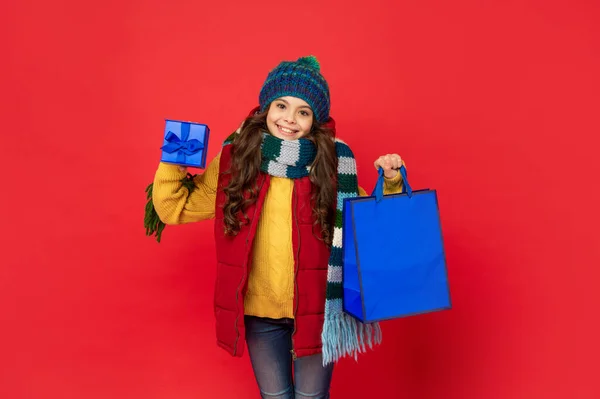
x=302, y=79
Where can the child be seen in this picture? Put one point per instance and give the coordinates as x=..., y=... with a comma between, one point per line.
x=274, y=191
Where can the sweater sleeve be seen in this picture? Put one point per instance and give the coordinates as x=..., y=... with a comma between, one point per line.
x=172, y=201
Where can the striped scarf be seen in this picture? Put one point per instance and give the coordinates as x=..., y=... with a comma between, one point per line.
x=342, y=335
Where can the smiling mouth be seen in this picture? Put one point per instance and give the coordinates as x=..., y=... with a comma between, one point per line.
x=287, y=131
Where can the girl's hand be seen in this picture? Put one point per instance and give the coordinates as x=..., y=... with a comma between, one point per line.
x=183, y=168
x=390, y=164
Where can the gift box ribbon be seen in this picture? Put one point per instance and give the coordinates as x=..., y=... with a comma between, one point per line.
x=183, y=146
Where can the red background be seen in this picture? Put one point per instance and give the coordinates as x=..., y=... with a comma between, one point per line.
x=494, y=104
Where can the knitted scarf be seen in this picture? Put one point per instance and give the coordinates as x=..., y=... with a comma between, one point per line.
x=342, y=334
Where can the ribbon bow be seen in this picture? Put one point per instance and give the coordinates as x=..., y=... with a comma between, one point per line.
x=183, y=146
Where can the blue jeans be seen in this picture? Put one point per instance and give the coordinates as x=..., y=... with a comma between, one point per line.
x=269, y=346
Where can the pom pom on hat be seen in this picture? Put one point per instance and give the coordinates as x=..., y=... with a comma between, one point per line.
x=310, y=61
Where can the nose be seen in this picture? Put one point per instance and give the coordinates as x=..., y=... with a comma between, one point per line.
x=290, y=117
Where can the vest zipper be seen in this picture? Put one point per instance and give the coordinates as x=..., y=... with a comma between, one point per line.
x=295, y=212
x=243, y=280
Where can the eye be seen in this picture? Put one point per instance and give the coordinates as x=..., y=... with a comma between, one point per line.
x=280, y=106
x=304, y=113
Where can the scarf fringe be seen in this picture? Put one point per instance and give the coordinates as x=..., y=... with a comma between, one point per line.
x=152, y=223
x=343, y=336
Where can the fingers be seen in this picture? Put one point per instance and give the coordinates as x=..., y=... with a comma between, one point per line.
x=388, y=162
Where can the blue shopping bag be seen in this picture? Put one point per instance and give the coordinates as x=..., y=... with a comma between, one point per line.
x=394, y=260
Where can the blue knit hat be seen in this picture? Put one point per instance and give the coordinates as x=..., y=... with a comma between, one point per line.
x=302, y=79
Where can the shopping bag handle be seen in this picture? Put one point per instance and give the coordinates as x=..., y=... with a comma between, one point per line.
x=378, y=190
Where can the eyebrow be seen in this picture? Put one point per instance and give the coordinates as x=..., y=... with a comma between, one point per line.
x=302, y=106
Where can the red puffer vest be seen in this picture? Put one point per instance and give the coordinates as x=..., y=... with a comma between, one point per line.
x=234, y=258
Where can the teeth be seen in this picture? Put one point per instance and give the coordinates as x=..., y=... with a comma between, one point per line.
x=286, y=130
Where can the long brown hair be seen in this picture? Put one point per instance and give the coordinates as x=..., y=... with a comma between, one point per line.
x=242, y=190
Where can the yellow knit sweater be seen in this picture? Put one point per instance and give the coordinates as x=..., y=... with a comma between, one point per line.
x=271, y=278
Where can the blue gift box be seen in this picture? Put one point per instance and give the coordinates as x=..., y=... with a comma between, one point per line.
x=394, y=257
x=185, y=143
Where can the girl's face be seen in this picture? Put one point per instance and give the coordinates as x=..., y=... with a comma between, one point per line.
x=289, y=118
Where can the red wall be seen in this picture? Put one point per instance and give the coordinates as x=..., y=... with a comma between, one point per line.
x=494, y=104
